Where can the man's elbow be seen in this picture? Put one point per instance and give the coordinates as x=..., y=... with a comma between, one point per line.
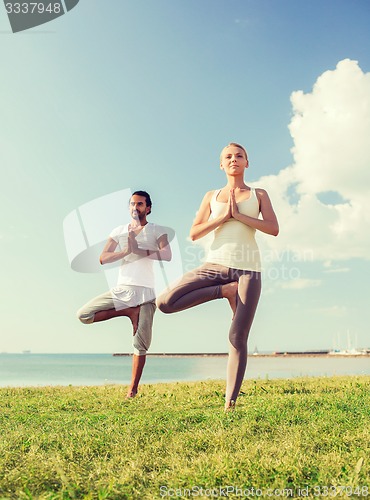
x=165, y=253
x=275, y=231
x=167, y=256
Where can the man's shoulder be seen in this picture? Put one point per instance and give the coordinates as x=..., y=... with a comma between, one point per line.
x=120, y=230
x=159, y=230
x=153, y=225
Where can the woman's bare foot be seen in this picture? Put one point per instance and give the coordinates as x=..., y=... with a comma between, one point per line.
x=131, y=394
x=230, y=405
x=229, y=292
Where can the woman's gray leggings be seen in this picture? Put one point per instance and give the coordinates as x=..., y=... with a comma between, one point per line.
x=204, y=284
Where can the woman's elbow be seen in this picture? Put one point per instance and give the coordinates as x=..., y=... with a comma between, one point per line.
x=193, y=235
x=194, y=232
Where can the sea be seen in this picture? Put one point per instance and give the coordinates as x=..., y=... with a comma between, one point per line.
x=33, y=370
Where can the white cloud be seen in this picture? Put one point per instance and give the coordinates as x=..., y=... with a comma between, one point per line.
x=338, y=270
x=330, y=128
x=300, y=283
x=242, y=21
x=332, y=311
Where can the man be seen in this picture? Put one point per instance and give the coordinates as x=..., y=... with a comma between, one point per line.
x=139, y=243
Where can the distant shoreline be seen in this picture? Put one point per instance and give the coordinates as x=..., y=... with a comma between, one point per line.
x=255, y=355
x=365, y=353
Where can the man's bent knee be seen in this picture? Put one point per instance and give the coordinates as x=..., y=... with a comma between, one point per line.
x=141, y=345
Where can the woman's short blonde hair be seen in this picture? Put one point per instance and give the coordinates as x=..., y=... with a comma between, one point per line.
x=238, y=146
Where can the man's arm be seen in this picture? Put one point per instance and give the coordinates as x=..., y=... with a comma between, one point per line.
x=164, y=250
x=163, y=253
x=109, y=255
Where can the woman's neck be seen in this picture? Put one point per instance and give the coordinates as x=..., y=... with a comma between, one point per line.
x=236, y=183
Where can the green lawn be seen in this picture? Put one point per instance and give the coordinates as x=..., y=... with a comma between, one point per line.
x=301, y=435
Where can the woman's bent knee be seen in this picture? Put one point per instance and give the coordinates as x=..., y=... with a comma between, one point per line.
x=163, y=306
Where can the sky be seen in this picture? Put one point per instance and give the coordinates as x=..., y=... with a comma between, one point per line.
x=117, y=96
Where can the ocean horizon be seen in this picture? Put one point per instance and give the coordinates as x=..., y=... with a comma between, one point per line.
x=32, y=369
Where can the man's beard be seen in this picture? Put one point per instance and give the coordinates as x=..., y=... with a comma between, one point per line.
x=138, y=215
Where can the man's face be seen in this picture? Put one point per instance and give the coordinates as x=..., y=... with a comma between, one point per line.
x=138, y=208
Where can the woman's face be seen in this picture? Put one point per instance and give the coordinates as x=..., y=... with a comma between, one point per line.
x=233, y=160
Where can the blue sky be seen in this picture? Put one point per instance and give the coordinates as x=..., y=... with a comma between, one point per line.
x=143, y=95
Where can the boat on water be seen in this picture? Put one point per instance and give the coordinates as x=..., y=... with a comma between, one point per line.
x=350, y=351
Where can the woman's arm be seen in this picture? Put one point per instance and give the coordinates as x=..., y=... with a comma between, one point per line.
x=202, y=225
x=268, y=224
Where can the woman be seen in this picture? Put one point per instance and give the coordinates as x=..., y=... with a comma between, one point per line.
x=233, y=268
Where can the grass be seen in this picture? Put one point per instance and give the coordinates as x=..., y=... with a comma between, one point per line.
x=91, y=443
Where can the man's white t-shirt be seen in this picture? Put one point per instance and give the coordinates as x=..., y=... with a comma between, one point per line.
x=137, y=270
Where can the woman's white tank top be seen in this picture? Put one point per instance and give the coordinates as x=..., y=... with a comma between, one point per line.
x=234, y=243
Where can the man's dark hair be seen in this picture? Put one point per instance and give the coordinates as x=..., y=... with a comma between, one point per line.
x=148, y=201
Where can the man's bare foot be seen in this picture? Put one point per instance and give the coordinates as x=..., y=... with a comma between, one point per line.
x=133, y=313
x=131, y=394
x=229, y=292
